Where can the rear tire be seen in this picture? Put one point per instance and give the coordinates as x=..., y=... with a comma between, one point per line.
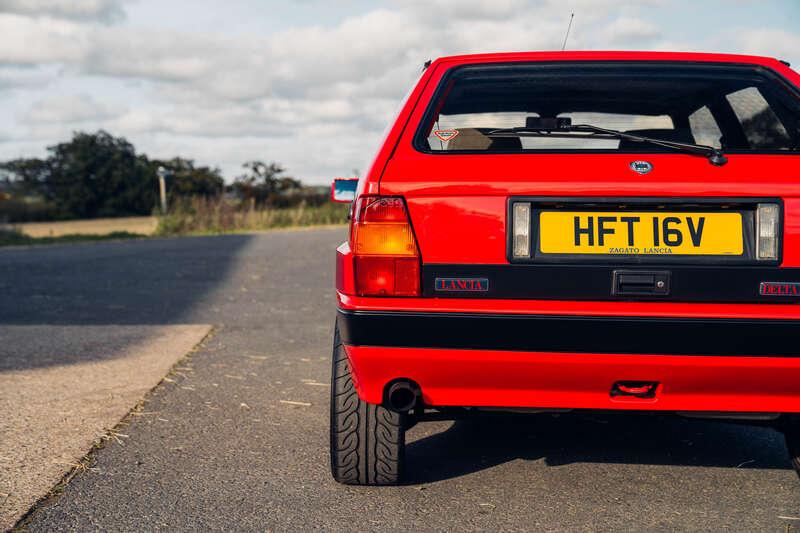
x=367, y=440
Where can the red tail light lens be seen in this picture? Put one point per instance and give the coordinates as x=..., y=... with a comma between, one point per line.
x=386, y=252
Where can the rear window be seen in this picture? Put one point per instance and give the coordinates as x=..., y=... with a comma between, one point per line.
x=737, y=108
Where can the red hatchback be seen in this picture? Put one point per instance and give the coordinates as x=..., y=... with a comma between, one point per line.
x=558, y=231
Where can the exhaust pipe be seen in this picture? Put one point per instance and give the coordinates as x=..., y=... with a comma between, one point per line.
x=402, y=395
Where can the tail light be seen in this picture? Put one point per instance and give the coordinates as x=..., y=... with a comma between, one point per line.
x=384, y=247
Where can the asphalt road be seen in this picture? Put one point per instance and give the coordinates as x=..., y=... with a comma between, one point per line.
x=219, y=448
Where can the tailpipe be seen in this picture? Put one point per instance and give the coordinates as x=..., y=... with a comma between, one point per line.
x=402, y=395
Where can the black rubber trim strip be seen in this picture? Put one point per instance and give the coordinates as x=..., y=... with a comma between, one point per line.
x=731, y=284
x=581, y=334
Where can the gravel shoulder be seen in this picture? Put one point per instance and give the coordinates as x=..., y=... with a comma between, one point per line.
x=63, y=388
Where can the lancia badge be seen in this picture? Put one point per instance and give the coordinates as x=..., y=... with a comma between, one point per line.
x=461, y=284
x=642, y=167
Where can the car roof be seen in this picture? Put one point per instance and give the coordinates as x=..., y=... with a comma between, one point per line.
x=608, y=56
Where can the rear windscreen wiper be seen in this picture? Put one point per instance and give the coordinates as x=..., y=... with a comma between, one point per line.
x=560, y=127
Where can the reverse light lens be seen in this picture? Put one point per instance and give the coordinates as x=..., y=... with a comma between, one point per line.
x=767, y=231
x=386, y=253
x=522, y=229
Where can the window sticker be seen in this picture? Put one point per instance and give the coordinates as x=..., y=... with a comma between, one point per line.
x=446, y=135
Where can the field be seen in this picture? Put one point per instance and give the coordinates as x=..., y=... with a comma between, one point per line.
x=199, y=216
x=98, y=226
x=192, y=217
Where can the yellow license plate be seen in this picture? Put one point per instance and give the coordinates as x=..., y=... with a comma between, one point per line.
x=640, y=233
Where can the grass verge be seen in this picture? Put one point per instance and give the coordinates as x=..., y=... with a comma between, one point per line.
x=200, y=216
x=10, y=237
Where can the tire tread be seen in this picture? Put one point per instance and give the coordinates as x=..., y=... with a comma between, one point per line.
x=367, y=440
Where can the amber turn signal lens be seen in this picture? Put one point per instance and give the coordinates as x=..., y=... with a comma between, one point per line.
x=381, y=227
x=382, y=238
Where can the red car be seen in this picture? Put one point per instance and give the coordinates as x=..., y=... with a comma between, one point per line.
x=572, y=231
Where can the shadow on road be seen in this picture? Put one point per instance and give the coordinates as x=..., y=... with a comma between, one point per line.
x=157, y=281
x=489, y=440
x=91, y=286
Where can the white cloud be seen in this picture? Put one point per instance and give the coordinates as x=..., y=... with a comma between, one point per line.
x=158, y=55
x=12, y=77
x=98, y=10
x=29, y=41
x=769, y=42
x=315, y=97
x=630, y=30
x=70, y=109
x=468, y=9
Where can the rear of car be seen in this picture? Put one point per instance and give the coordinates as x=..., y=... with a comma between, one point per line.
x=611, y=231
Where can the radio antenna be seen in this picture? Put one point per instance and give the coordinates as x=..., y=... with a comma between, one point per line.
x=566, y=36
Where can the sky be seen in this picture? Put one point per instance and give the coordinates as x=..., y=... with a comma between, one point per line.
x=311, y=84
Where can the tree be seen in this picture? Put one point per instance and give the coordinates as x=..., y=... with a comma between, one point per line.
x=765, y=131
x=186, y=179
x=26, y=177
x=264, y=184
x=96, y=174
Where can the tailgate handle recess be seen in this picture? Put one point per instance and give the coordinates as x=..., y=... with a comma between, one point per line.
x=640, y=283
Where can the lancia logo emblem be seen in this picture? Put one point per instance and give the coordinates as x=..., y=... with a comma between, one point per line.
x=461, y=284
x=642, y=167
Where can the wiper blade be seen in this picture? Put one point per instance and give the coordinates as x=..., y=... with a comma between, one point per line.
x=565, y=130
x=714, y=155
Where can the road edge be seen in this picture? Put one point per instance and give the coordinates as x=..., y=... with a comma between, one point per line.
x=86, y=462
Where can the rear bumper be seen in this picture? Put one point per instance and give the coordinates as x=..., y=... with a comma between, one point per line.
x=548, y=361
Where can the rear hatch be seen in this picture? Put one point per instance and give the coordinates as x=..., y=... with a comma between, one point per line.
x=496, y=193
